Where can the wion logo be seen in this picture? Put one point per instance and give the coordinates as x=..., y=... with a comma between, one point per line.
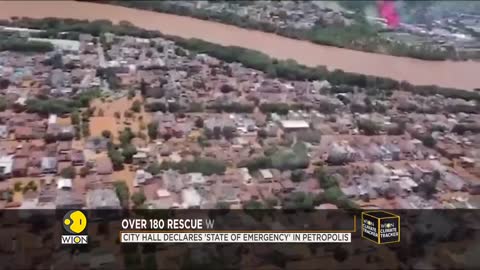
x=74, y=223
x=381, y=227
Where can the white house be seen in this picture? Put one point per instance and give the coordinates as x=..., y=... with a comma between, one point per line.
x=6, y=165
x=191, y=198
x=61, y=44
x=292, y=125
x=64, y=183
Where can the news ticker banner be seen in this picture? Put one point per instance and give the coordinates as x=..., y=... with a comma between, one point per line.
x=255, y=226
x=378, y=226
x=232, y=228
x=237, y=237
x=442, y=238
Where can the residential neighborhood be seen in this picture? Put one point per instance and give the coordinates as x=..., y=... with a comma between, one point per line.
x=164, y=128
x=98, y=116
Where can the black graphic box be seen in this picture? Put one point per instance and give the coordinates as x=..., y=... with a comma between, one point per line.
x=381, y=227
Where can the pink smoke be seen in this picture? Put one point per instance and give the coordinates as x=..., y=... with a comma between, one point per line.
x=388, y=12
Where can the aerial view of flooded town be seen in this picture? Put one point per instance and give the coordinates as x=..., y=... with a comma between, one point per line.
x=239, y=105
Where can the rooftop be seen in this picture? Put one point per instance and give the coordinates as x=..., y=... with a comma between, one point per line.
x=294, y=124
x=102, y=199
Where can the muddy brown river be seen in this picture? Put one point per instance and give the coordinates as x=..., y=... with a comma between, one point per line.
x=446, y=73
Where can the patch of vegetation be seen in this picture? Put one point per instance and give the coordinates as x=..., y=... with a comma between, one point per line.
x=61, y=106
x=205, y=166
x=283, y=159
x=332, y=192
x=24, y=45
x=291, y=159
x=69, y=173
x=299, y=200
x=123, y=194
x=138, y=198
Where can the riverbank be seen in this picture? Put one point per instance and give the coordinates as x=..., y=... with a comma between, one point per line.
x=274, y=68
x=446, y=73
x=360, y=36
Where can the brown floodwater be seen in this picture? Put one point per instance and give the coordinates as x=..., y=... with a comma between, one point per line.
x=445, y=73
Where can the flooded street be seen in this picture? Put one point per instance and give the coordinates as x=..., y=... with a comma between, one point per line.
x=446, y=74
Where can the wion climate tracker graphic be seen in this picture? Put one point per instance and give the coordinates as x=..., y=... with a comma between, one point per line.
x=381, y=227
x=74, y=224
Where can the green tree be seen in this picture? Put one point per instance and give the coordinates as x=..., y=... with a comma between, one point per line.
x=20, y=45
x=291, y=159
x=369, y=127
x=136, y=106
x=333, y=195
x=128, y=151
x=297, y=176
x=203, y=141
x=429, y=141
x=429, y=187
x=154, y=168
x=49, y=106
x=138, y=198
x=75, y=118
x=30, y=186
x=257, y=163
x=326, y=181
x=68, y=172
x=279, y=108
x=126, y=136
x=117, y=159
x=299, y=200
x=122, y=191
x=271, y=150
x=18, y=186
x=152, y=130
